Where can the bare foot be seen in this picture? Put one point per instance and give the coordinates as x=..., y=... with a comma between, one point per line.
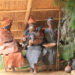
x=31, y=70
x=13, y=69
x=35, y=72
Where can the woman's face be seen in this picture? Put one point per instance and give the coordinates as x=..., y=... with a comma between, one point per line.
x=31, y=29
x=49, y=23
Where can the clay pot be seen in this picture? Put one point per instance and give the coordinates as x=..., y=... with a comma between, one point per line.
x=68, y=68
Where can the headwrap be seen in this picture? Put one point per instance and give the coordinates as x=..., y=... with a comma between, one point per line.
x=50, y=19
x=6, y=23
x=31, y=20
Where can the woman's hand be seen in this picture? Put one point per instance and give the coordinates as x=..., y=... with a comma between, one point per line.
x=49, y=45
x=30, y=42
x=24, y=38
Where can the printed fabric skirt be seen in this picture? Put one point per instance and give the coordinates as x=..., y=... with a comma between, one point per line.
x=49, y=56
x=33, y=53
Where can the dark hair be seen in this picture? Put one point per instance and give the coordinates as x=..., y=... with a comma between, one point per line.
x=50, y=18
x=7, y=27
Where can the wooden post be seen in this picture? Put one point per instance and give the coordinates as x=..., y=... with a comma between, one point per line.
x=28, y=11
x=58, y=38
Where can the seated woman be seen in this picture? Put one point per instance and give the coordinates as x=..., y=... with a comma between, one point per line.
x=8, y=47
x=50, y=45
x=34, y=48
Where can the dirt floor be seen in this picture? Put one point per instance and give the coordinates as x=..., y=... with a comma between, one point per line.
x=40, y=73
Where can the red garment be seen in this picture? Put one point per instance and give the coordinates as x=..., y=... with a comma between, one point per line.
x=7, y=48
x=5, y=35
x=42, y=34
x=8, y=44
x=14, y=60
x=5, y=22
x=10, y=50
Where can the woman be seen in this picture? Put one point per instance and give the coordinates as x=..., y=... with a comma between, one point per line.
x=50, y=44
x=8, y=46
x=34, y=48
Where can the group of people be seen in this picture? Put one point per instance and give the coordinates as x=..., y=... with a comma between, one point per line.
x=38, y=44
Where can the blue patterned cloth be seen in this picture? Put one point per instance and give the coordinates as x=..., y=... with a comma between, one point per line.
x=33, y=53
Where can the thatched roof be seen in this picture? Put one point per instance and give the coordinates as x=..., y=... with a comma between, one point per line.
x=16, y=9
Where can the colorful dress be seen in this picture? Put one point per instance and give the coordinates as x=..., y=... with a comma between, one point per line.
x=10, y=50
x=33, y=52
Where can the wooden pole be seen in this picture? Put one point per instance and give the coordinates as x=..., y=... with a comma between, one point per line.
x=58, y=38
x=28, y=11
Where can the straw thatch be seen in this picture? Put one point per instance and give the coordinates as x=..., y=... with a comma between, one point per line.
x=16, y=10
